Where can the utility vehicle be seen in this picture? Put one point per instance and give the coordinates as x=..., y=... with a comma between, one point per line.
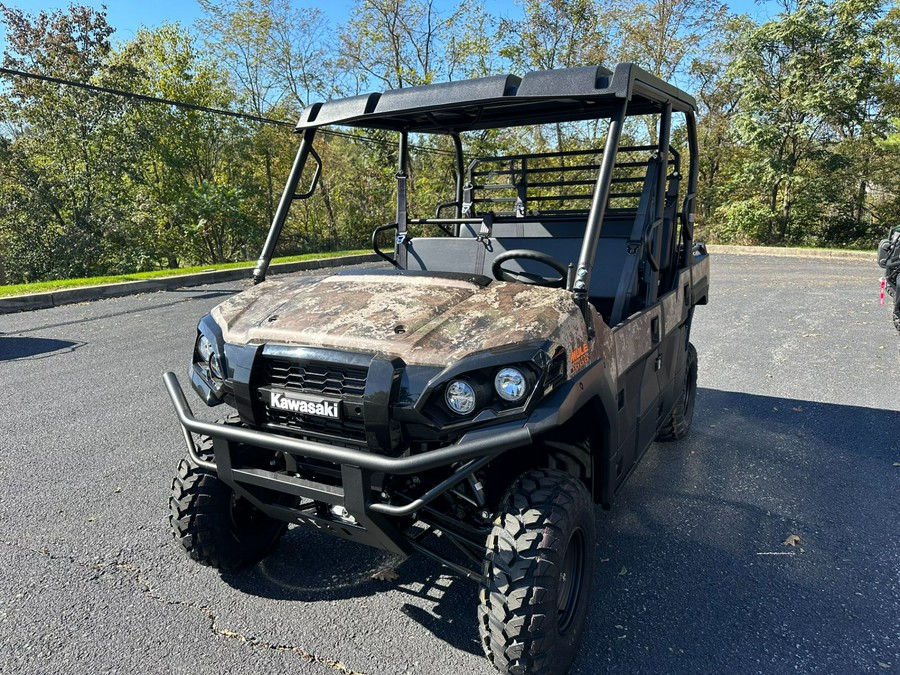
x=479, y=395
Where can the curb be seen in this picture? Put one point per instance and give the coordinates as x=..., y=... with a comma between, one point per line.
x=792, y=252
x=68, y=296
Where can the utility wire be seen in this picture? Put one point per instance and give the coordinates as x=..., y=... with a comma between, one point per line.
x=203, y=108
x=141, y=97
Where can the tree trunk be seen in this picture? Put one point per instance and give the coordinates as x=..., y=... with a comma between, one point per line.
x=785, y=218
x=773, y=209
x=860, y=206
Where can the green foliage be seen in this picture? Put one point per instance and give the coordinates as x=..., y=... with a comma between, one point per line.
x=812, y=87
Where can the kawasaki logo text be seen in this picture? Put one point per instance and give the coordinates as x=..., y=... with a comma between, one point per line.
x=318, y=408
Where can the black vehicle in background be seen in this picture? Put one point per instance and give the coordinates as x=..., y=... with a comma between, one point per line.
x=493, y=383
x=889, y=261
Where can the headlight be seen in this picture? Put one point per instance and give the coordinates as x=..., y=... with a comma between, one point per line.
x=510, y=384
x=205, y=348
x=460, y=397
x=215, y=367
x=209, y=357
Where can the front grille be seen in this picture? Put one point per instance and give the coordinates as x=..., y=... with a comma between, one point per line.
x=329, y=379
x=347, y=383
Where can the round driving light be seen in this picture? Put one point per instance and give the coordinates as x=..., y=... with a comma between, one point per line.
x=204, y=348
x=215, y=367
x=460, y=397
x=510, y=384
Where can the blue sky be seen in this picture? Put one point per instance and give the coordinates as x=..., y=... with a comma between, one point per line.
x=128, y=15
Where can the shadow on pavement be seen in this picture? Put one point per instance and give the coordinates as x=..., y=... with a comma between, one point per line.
x=692, y=570
x=12, y=348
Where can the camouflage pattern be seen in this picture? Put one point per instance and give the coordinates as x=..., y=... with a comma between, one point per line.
x=423, y=320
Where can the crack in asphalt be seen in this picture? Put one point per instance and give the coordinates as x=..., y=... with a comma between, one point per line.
x=146, y=588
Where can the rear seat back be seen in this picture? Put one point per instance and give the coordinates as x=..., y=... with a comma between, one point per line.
x=561, y=239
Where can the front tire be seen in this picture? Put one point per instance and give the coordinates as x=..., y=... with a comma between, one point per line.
x=216, y=526
x=538, y=568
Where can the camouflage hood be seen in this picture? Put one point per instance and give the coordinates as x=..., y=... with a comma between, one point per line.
x=423, y=320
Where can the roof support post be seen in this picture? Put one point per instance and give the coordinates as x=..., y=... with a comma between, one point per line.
x=689, y=201
x=588, y=254
x=654, y=236
x=400, y=250
x=460, y=169
x=284, y=206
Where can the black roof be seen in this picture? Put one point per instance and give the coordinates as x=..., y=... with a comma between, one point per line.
x=563, y=95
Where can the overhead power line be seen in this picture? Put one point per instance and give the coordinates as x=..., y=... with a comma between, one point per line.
x=202, y=108
x=141, y=97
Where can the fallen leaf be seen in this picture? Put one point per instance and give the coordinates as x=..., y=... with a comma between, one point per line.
x=623, y=571
x=386, y=574
x=792, y=540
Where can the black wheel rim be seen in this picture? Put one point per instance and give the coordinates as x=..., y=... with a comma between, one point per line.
x=571, y=580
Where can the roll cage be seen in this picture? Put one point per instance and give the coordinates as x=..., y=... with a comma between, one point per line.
x=566, y=95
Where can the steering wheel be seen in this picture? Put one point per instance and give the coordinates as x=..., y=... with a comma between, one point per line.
x=502, y=274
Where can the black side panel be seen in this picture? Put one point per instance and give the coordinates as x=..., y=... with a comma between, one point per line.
x=671, y=374
x=628, y=414
x=651, y=411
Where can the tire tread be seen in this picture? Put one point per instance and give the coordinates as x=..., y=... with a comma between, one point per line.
x=517, y=621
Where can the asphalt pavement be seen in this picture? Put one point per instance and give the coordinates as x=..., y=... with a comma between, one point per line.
x=795, y=433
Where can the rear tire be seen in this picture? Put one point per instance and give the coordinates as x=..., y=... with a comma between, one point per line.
x=538, y=568
x=214, y=525
x=678, y=423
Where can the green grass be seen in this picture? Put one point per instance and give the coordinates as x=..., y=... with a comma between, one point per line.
x=44, y=286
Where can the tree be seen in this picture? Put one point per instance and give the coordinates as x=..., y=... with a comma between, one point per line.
x=556, y=34
x=401, y=43
x=717, y=105
x=192, y=170
x=62, y=160
x=810, y=85
x=667, y=36
x=276, y=57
